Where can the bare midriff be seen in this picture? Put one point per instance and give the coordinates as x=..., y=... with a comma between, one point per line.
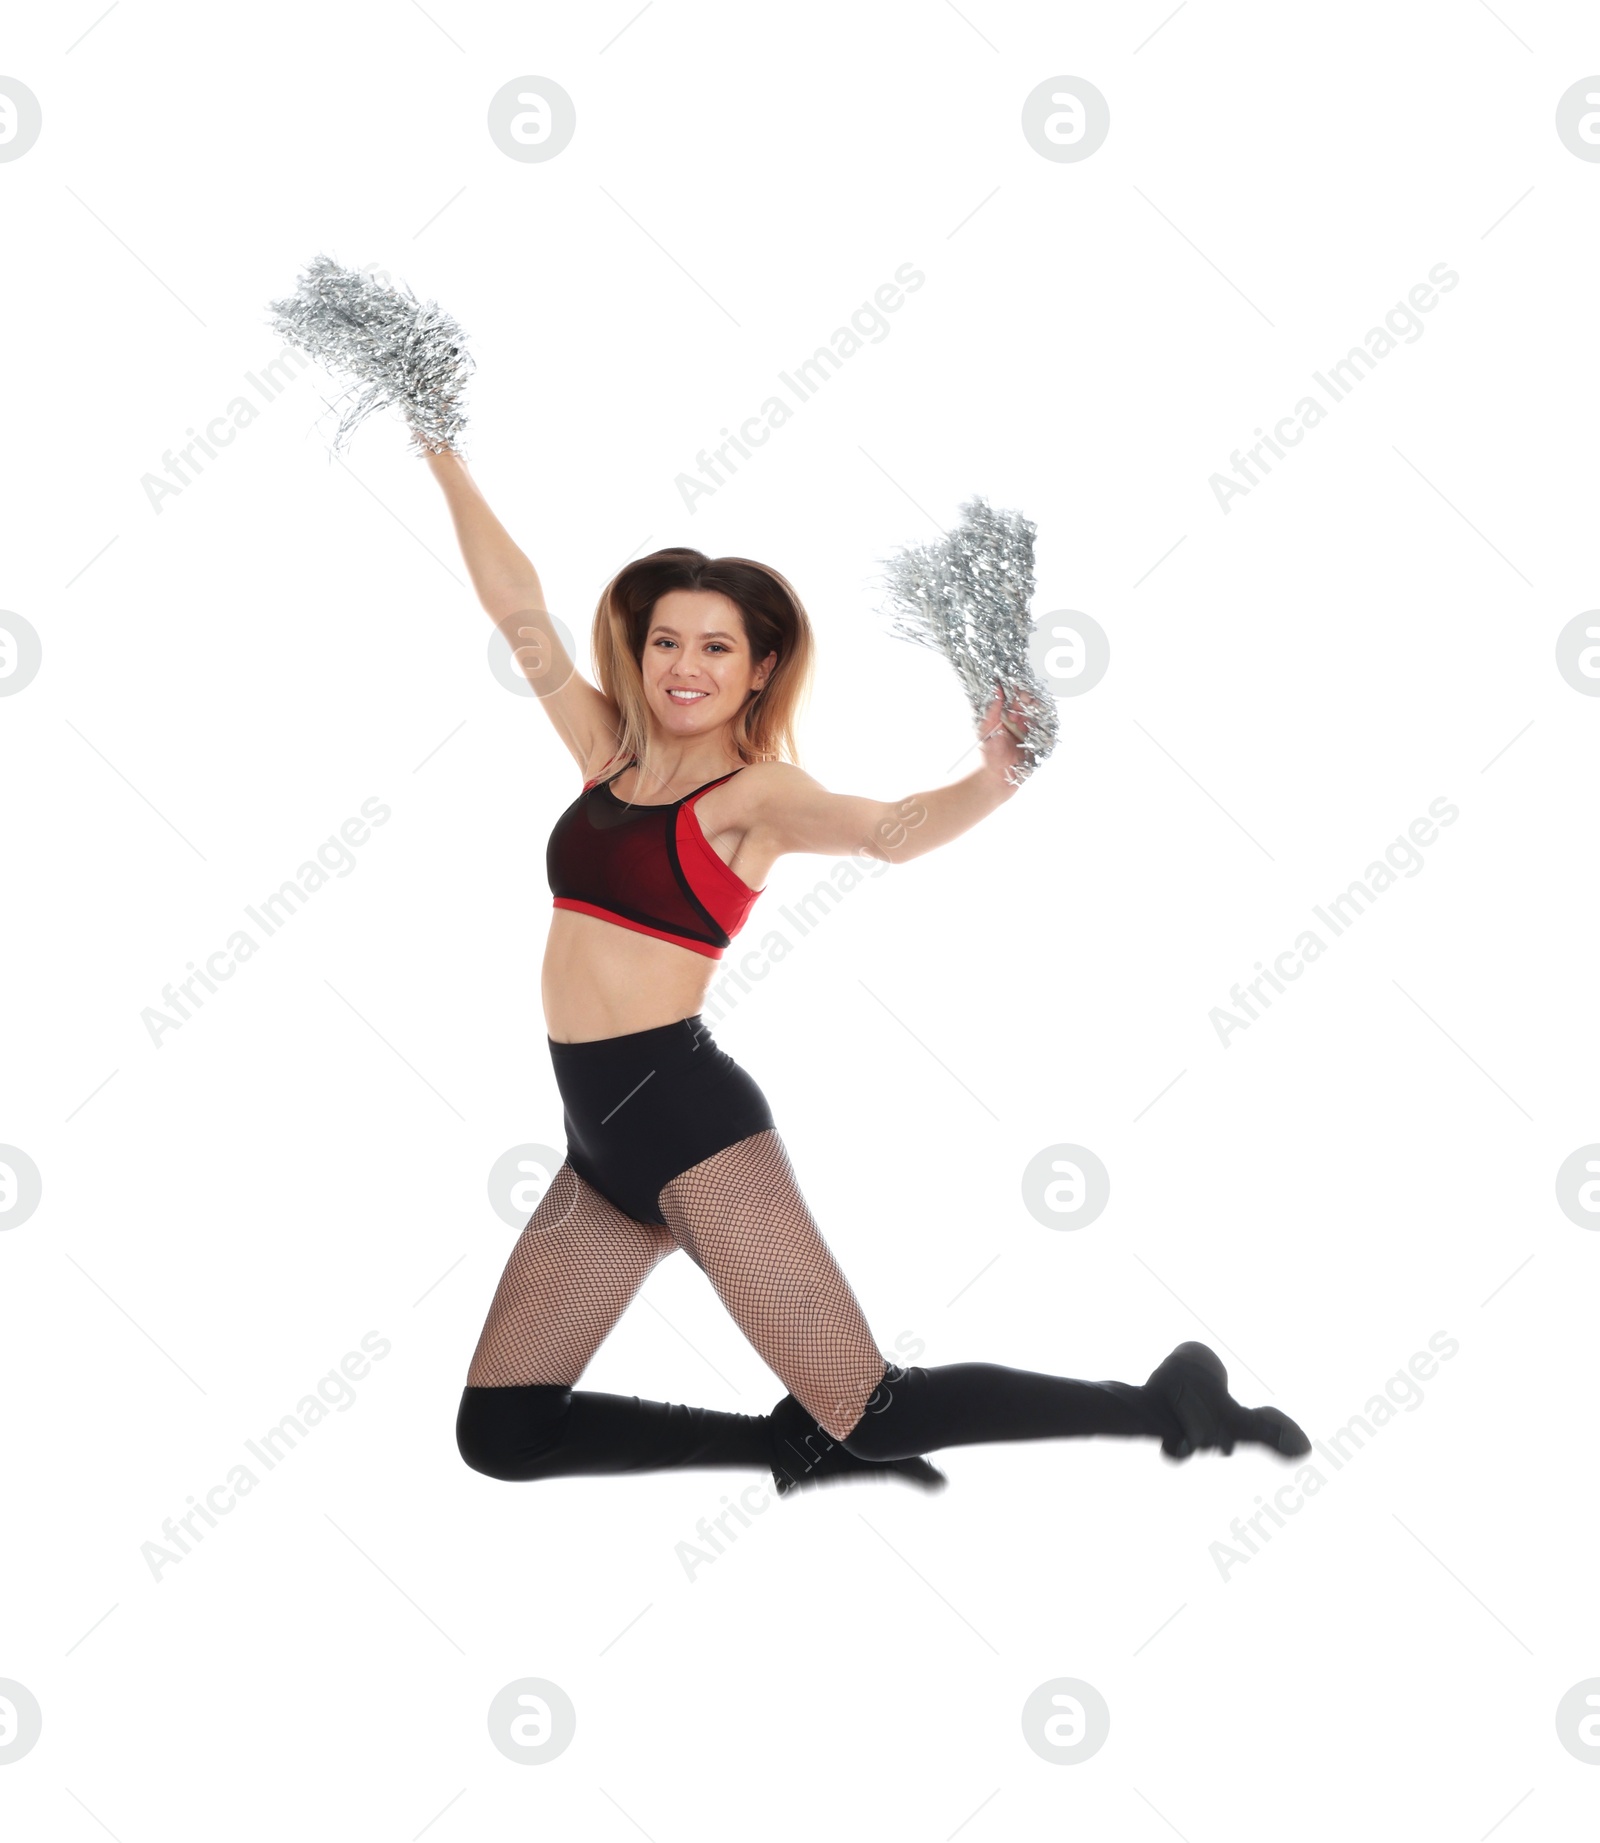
x=600, y=980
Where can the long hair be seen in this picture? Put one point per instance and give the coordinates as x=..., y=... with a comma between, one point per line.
x=775, y=621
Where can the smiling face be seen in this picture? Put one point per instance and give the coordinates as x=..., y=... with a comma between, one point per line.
x=697, y=665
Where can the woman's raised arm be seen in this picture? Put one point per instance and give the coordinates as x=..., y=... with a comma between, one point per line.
x=800, y=815
x=508, y=586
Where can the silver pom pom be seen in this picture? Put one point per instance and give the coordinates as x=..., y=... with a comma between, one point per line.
x=395, y=348
x=967, y=597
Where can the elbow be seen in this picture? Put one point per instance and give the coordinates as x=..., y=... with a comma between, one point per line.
x=895, y=835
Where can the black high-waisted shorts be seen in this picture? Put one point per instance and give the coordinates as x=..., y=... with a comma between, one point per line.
x=642, y=1108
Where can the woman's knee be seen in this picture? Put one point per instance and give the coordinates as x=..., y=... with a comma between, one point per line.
x=510, y=1433
x=888, y=1427
x=875, y=1439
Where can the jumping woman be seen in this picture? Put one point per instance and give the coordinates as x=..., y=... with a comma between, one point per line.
x=690, y=795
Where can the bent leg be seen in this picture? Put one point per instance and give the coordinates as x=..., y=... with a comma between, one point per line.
x=742, y=1219
x=575, y=1269
x=740, y=1216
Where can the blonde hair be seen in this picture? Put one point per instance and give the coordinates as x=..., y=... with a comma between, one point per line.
x=775, y=621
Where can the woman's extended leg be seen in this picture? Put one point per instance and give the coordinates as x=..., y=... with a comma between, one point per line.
x=742, y=1218
x=573, y=1272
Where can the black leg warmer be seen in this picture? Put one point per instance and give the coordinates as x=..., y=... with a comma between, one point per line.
x=963, y=1404
x=552, y=1431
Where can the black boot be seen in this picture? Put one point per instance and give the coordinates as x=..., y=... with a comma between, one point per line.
x=805, y=1454
x=1193, y=1382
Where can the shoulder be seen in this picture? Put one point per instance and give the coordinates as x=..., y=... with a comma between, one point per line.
x=776, y=776
x=757, y=799
x=774, y=786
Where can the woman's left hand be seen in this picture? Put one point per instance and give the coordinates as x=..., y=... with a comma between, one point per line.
x=1001, y=731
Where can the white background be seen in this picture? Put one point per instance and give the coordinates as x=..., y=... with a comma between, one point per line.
x=1291, y=684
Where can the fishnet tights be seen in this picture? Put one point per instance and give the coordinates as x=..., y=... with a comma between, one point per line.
x=741, y=1219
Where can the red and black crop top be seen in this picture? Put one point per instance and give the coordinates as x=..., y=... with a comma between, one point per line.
x=648, y=868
